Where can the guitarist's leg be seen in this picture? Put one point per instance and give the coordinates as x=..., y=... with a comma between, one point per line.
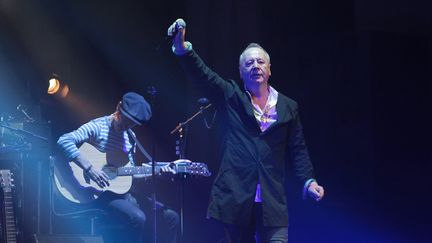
x=168, y=221
x=124, y=210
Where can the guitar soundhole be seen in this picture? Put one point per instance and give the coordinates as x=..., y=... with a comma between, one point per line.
x=116, y=158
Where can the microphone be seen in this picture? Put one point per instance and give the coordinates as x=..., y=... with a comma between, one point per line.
x=172, y=31
x=204, y=104
x=203, y=101
x=174, y=28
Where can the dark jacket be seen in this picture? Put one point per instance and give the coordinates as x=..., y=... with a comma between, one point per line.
x=250, y=156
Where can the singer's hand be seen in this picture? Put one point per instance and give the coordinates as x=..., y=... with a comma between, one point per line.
x=316, y=191
x=178, y=31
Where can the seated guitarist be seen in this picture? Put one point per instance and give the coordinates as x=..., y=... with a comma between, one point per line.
x=109, y=134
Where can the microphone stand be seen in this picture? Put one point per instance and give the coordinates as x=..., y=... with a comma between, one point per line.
x=152, y=91
x=24, y=132
x=182, y=129
x=182, y=124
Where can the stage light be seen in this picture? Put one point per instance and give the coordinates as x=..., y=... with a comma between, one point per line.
x=54, y=86
x=57, y=87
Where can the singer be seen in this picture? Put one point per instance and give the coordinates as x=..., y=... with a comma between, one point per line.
x=262, y=142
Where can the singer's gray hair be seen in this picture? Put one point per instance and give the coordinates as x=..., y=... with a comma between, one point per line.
x=254, y=45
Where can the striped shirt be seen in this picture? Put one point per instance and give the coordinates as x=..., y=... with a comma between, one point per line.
x=101, y=134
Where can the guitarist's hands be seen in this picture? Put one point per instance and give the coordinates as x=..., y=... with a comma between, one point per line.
x=91, y=173
x=170, y=167
x=167, y=169
x=98, y=176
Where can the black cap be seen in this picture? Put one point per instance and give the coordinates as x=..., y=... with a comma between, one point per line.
x=135, y=107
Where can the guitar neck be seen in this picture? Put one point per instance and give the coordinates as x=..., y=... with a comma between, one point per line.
x=138, y=170
x=9, y=218
x=8, y=206
x=192, y=168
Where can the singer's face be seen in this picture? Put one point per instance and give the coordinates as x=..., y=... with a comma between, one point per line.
x=254, y=66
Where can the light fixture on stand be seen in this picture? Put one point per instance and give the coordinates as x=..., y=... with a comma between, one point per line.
x=57, y=86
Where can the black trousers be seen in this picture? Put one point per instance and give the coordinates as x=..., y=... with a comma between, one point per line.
x=136, y=217
x=255, y=231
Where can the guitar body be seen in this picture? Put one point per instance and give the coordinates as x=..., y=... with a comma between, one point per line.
x=70, y=181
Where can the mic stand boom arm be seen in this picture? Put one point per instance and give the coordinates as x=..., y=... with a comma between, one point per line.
x=182, y=124
x=24, y=132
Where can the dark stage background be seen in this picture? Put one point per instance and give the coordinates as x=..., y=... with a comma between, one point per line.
x=360, y=70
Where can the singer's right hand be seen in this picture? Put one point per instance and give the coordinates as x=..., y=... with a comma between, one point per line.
x=178, y=31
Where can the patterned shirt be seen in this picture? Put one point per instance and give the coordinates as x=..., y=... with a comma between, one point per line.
x=265, y=118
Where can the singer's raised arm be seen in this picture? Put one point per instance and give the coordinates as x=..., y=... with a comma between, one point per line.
x=208, y=81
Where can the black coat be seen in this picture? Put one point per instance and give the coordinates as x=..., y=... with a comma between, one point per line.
x=250, y=156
